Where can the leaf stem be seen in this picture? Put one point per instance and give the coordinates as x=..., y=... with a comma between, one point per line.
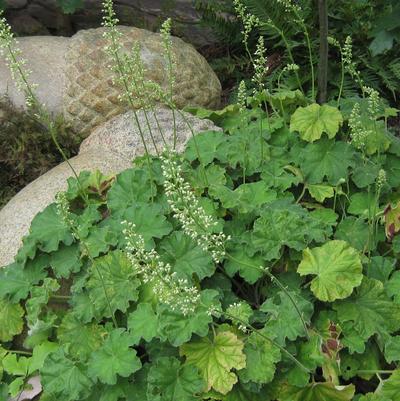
x=256, y=331
x=279, y=284
x=17, y=352
x=383, y=372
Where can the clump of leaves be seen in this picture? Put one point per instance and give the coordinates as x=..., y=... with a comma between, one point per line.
x=303, y=305
x=26, y=151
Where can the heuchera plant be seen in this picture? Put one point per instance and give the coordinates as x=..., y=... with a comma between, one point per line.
x=258, y=265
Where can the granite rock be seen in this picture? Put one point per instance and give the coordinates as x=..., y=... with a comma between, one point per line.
x=91, y=97
x=121, y=134
x=45, y=57
x=25, y=25
x=16, y=216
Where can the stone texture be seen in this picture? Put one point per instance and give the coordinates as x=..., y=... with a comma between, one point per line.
x=91, y=97
x=48, y=14
x=45, y=58
x=110, y=149
x=16, y=3
x=16, y=216
x=74, y=77
x=146, y=14
x=26, y=25
x=121, y=134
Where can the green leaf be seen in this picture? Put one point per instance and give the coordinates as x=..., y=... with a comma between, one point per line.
x=39, y=297
x=131, y=186
x=83, y=339
x=216, y=358
x=243, y=149
x=355, y=231
x=117, y=392
x=41, y=331
x=210, y=177
x=246, y=198
x=65, y=378
x=158, y=349
x=240, y=392
x=4, y=390
x=11, y=321
x=350, y=365
x=365, y=174
x=391, y=387
x=261, y=358
x=178, y=328
x=99, y=241
x=222, y=284
x=368, y=311
x=393, y=287
x=248, y=266
x=27, y=251
x=216, y=116
x=276, y=176
x=377, y=140
x=86, y=220
x=285, y=224
x=326, y=159
x=392, y=168
x=149, y=221
x=337, y=267
x=285, y=97
x=66, y=261
x=392, y=349
x=112, y=284
x=186, y=257
x=325, y=217
x=363, y=204
x=204, y=144
x=282, y=311
x=114, y=358
x=310, y=354
x=16, y=281
x=16, y=366
x=382, y=42
x=143, y=323
x=39, y=355
x=49, y=230
x=239, y=312
x=168, y=380
x=312, y=121
x=16, y=386
x=3, y=353
x=83, y=307
x=380, y=268
x=324, y=392
x=321, y=192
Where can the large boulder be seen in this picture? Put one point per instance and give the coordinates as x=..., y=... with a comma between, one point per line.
x=109, y=149
x=45, y=56
x=121, y=134
x=75, y=80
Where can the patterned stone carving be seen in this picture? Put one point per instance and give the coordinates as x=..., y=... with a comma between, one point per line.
x=91, y=97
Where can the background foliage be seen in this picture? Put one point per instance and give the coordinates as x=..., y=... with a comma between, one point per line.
x=373, y=25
